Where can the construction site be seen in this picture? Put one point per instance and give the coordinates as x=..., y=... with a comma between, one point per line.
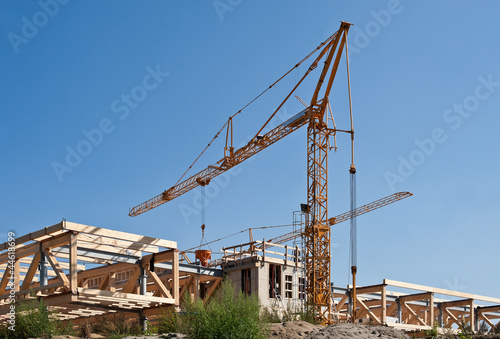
x=83, y=272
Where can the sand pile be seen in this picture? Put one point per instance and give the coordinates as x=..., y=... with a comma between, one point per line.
x=345, y=331
x=302, y=329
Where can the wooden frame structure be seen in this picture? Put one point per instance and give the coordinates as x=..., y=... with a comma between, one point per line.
x=84, y=271
x=416, y=311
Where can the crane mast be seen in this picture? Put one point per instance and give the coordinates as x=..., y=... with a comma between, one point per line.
x=317, y=232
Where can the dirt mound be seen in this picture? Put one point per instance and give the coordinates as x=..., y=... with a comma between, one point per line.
x=345, y=331
x=292, y=329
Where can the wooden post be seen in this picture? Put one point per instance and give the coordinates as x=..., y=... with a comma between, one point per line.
x=286, y=254
x=73, y=262
x=263, y=249
x=471, y=316
x=431, y=310
x=17, y=276
x=175, y=277
x=383, y=302
x=196, y=287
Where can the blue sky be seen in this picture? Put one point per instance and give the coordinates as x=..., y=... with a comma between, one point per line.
x=126, y=95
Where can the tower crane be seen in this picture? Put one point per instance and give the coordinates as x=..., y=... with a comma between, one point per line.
x=317, y=231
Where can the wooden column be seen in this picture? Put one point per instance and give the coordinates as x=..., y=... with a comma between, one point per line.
x=472, y=323
x=431, y=310
x=175, y=277
x=383, y=302
x=73, y=262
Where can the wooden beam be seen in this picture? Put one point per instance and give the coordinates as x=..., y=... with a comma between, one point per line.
x=57, y=241
x=128, y=245
x=367, y=310
x=119, y=267
x=31, y=272
x=17, y=276
x=413, y=314
x=5, y=280
x=73, y=261
x=122, y=296
x=187, y=285
x=167, y=255
x=383, y=304
x=20, y=253
x=175, y=277
x=107, y=248
x=416, y=297
x=33, y=235
x=119, y=235
x=457, y=303
x=159, y=283
x=369, y=289
x=104, y=282
x=56, y=267
x=132, y=281
x=35, y=289
x=212, y=289
x=431, y=310
x=440, y=291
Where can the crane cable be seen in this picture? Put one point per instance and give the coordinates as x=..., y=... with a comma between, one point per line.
x=232, y=235
x=258, y=96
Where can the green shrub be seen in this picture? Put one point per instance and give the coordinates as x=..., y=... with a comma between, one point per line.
x=170, y=322
x=33, y=319
x=226, y=315
x=116, y=326
x=432, y=333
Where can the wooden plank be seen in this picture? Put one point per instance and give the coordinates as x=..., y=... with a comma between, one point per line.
x=342, y=302
x=484, y=309
x=128, y=245
x=413, y=314
x=55, y=266
x=370, y=313
x=416, y=297
x=123, y=296
x=167, y=255
x=175, y=277
x=440, y=291
x=132, y=281
x=35, y=289
x=383, y=304
x=31, y=271
x=187, y=286
x=98, y=271
x=104, y=282
x=456, y=303
x=5, y=280
x=23, y=252
x=107, y=248
x=28, y=260
x=73, y=261
x=392, y=309
x=112, y=282
x=369, y=289
x=159, y=283
x=431, y=310
x=212, y=289
x=119, y=235
x=17, y=277
x=33, y=235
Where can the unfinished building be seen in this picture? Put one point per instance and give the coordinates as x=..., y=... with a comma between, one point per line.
x=82, y=272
